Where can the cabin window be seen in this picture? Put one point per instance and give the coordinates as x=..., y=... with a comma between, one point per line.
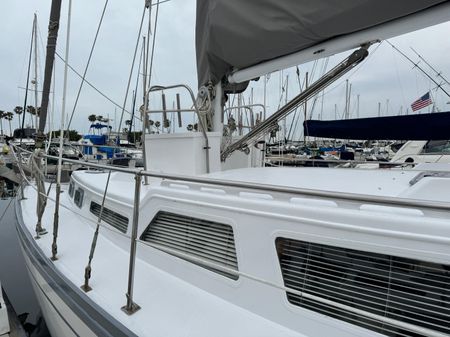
x=78, y=199
x=71, y=189
x=392, y=288
x=205, y=243
x=112, y=218
x=437, y=147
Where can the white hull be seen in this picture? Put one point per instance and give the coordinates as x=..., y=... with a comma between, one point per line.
x=60, y=319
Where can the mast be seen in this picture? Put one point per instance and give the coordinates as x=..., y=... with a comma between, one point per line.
x=35, y=72
x=26, y=87
x=349, y=96
x=61, y=140
x=357, y=106
x=285, y=102
x=305, y=107
x=217, y=120
x=348, y=92
x=53, y=28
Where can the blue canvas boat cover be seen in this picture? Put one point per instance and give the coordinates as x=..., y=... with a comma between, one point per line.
x=430, y=126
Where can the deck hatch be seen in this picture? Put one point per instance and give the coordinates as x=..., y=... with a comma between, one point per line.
x=395, y=288
x=192, y=238
x=112, y=218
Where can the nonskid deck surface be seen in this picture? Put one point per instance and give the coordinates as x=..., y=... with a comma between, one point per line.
x=388, y=183
x=169, y=306
x=370, y=182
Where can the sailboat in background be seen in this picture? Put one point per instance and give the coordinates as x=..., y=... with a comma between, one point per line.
x=209, y=246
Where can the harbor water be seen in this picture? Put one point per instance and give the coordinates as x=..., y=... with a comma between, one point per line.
x=13, y=274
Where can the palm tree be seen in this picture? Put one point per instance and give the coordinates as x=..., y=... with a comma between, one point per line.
x=31, y=109
x=18, y=110
x=9, y=116
x=100, y=118
x=92, y=118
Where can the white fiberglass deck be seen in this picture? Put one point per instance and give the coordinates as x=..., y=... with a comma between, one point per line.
x=370, y=182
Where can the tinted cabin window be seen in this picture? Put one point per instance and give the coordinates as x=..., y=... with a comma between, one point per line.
x=78, y=199
x=194, y=240
x=71, y=189
x=437, y=146
x=401, y=289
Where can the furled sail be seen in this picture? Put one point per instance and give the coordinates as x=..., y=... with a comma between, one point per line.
x=430, y=126
x=237, y=34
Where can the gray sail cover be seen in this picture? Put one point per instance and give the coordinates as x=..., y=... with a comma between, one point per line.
x=234, y=34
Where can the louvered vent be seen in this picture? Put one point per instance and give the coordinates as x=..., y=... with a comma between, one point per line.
x=210, y=241
x=112, y=218
x=405, y=290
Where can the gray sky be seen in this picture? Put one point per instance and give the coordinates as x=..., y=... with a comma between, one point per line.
x=384, y=76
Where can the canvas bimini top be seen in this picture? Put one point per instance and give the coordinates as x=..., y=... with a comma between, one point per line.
x=236, y=34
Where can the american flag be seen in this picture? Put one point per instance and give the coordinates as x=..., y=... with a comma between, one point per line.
x=422, y=102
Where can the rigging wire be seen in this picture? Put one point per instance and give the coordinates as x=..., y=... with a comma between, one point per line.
x=153, y=45
x=87, y=66
x=91, y=85
x=439, y=86
x=132, y=67
x=438, y=73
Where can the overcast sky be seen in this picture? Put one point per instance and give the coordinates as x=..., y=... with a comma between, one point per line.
x=385, y=77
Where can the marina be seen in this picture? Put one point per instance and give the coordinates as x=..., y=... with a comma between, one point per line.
x=227, y=201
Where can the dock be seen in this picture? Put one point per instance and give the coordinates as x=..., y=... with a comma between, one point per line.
x=10, y=325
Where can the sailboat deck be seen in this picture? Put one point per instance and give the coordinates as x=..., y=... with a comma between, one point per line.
x=179, y=297
x=369, y=182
